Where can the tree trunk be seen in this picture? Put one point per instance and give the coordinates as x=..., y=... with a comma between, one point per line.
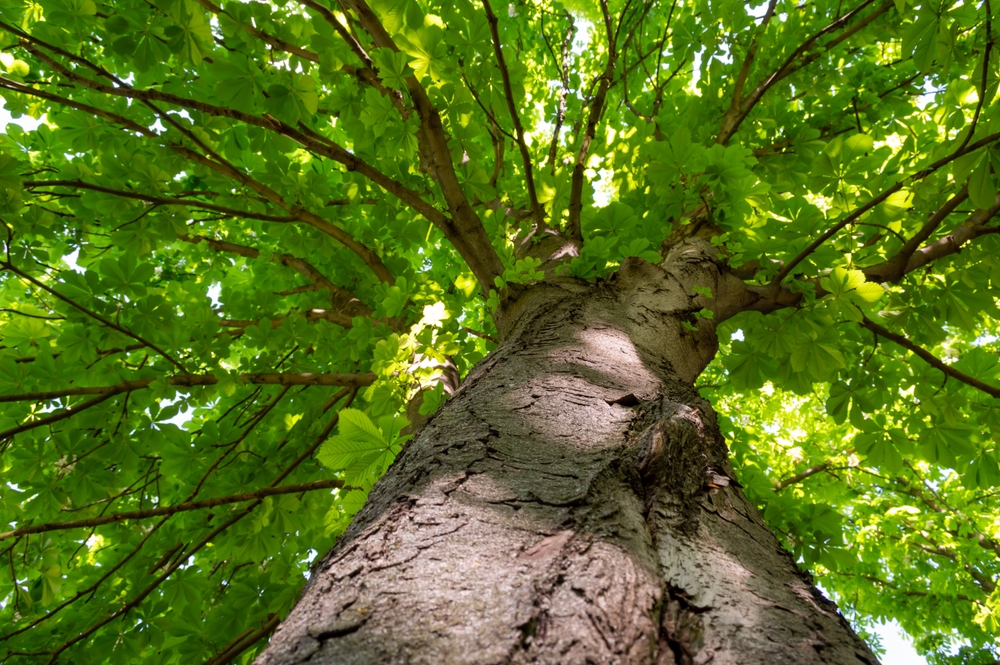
x=572, y=503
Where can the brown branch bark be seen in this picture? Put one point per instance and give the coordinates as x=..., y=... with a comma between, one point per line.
x=857, y=213
x=269, y=39
x=130, y=125
x=346, y=305
x=191, y=380
x=768, y=299
x=984, y=81
x=930, y=358
x=368, y=72
x=595, y=111
x=561, y=63
x=897, y=264
x=894, y=269
x=222, y=245
x=244, y=641
x=55, y=417
x=173, y=510
x=811, y=471
x=464, y=230
x=158, y=200
x=6, y=265
x=536, y=209
x=738, y=112
x=741, y=78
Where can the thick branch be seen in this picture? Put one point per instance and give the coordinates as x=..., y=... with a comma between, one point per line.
x=368, y=72
x=857, y=213
x=561, y=63
x=345, y=303
x=86, y=108
x=173, y=510
x=971, y=229
x=222, y=245
x=930, y=358
x=741, y=78
x=55, y=417
x=464, y=229
x=896, y=266
x=269, y=39
x=811, y=471
x=244, y=641
x=529, y=178
x=593, y=118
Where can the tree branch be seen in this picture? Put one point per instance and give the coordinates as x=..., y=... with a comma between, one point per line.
x=464, y=230
x=345, y=303
x=930, y=358
x=857, y=213
x=811, y=471
x=158, y=200
x=264, y=36
x=952, y=243
x=173, y=510
x=768, y=299
x=564, y=91
x=244, y=641
x=738, y=112
x=222, y=245
x=55, y=417
x=7, y=265
x=984, y=82
x=894, y=268
x=595, y=111
x=536, y=209
x=191, y=380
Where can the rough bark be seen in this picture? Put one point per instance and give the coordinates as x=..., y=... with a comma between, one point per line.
x=572, y=503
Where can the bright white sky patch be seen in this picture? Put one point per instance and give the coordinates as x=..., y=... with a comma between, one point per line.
x=898, y=646
x=25, y=121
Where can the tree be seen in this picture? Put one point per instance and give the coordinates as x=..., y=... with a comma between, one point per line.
x=454, y=291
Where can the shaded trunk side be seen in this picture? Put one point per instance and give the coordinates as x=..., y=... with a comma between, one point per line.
x=571, y=503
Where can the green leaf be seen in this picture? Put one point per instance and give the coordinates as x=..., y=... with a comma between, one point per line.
x=982, y=189
x=393, y=67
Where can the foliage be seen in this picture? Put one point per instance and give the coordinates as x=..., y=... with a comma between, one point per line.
x=236, y=224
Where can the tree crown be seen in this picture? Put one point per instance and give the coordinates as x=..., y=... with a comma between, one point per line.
x=242, y=237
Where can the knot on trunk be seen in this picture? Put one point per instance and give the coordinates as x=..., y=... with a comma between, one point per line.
x=680, y=456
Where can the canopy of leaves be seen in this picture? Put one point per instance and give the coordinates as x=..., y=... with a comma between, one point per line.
x=236, y=223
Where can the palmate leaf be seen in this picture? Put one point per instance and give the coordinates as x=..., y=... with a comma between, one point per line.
x=357, y=437
x=982, y=187
x=748, y=368
x=362, y=449
x=949, y=445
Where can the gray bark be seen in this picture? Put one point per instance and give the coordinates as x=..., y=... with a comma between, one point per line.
x=572, y=503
